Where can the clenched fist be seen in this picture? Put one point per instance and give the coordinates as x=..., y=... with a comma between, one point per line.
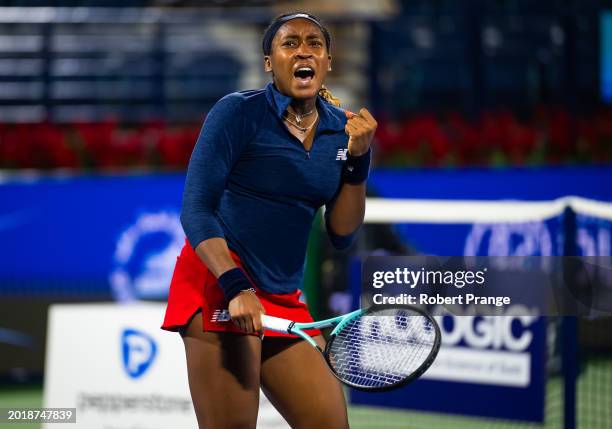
x=360, y=129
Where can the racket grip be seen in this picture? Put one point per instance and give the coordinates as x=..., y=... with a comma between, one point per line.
x=276, y=323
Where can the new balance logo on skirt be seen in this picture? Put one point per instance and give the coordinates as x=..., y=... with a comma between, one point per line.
x=220, y=316
x=341, y=156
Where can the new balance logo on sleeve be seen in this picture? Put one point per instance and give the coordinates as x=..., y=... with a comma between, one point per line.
x=341, y=156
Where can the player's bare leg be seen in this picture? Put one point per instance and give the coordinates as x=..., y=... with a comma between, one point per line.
x=223, y=372
x=298, y=382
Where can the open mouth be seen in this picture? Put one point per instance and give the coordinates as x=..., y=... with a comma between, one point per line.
x=304, y=74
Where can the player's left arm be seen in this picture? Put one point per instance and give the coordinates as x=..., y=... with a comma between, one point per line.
x=349, y=209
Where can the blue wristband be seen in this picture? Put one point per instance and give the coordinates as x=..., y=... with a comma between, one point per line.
x=356, y=168
x=233, y=282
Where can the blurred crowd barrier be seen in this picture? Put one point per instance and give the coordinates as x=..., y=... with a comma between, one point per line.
x=138, y=64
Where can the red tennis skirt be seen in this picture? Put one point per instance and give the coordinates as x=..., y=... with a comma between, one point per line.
x=194, y=288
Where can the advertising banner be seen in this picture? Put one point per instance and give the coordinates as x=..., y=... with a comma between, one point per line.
x=102, y=237
x=115, y=366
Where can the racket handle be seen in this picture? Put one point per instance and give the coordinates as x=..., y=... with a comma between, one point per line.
x=276, y=323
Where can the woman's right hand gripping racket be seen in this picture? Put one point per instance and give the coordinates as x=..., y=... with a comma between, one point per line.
x=375, y=349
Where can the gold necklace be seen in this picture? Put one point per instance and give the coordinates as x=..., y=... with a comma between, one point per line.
x=299, y=118
x=302, y=129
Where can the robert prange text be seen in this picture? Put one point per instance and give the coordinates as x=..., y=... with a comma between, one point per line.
x=437, y=299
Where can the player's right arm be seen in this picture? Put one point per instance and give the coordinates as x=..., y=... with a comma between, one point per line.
x=244, y=307
x=217, y=149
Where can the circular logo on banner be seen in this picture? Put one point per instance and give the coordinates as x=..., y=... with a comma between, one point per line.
x=145, y=256
x=138, y=350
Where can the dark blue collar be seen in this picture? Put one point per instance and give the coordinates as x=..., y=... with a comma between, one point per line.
x=328, y=119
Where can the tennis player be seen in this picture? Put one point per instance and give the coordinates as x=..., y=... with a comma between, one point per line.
x=265, y=162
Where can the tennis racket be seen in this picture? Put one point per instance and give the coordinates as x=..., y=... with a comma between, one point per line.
x=374, y=349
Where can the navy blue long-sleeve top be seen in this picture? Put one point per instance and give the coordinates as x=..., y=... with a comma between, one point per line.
x=253, y=183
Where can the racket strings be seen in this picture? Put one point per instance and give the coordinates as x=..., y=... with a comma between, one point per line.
x=383, y=348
